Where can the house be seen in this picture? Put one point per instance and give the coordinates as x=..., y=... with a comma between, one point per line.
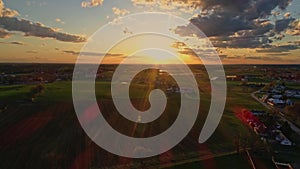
x=258, y=127
x=282, y=139
x=286, y=142
x=258, y=112
x=276, y=102
x=280, y=87
x=232, y=77
x=289, y=102
x=290, y=93
x=265, y=97
x=278, y=96
x=275, y=91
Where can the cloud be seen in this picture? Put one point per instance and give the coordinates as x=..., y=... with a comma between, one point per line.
x=6, y=12
x=234, y=57
x=91, y=3
x=294, y=28
x=37, y=29
x=120, y=12
x=223, y=57
x=179, y=45
x=266, y=58
x=58, y=20
x=279, y=48
x=238, y=21
x=32, y=51
x=9, y=23
x=71, y=52
x=4, y=33
x=178, y=5
x=187, y=51
x=253, y=57
x=277, y=54
x=240, y=42
x=282, y=24
x=144, y=2
x=17, y=43
x=90, y=53
x=14, y=43
x=213, y=25
x=287, y=15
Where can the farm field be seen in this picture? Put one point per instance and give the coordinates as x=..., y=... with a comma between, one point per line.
x=46, y=132
x=223, y=162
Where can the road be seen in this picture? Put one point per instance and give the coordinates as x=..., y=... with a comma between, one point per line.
x=293, y=126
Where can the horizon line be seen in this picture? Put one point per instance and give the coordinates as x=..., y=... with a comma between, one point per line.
x=60, y=63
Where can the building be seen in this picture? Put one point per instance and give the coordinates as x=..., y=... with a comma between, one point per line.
x=282, y=139
x=276, y=102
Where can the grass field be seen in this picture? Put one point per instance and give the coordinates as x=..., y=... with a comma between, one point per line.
x=236, y=161
x=46, y=133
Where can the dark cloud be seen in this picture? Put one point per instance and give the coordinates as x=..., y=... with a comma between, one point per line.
x=240, y=41
x=223, y=56
x=4, y=33
x=282, y=24
x=90, y=53
x=277, y=54
x=294, y=28
x=9, y=22
x=14, y=43
x=195, y=52
x=253, y=57
x=234, y=57
x=100, y=54
x=32, y=51
x=295, y=42
x=214, y=25
x=17, y=43
x=187, y=51
x=244, y=23
x=71, y=52
x=265, y=58
x=37, y=29
x=184, y=49
x=279, y=49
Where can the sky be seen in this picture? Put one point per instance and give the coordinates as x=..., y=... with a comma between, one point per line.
x=241, y=31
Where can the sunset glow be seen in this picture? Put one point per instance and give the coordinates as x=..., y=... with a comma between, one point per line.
x=45, y=36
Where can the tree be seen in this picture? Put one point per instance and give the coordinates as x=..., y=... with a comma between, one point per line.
x=35, y=90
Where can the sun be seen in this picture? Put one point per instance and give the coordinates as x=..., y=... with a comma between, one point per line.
x=149, y=49
x=156, y=56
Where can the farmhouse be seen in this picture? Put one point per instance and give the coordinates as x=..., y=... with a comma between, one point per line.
x=290, y=93
x=276, y=102
x=258, y=112
x=278, y=96
x=282, y=139
x=258, y=127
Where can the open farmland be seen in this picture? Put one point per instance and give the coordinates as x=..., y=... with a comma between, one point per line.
x=46, y=133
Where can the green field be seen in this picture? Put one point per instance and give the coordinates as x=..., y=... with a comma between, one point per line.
x=46, y=132
x=236, y=161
